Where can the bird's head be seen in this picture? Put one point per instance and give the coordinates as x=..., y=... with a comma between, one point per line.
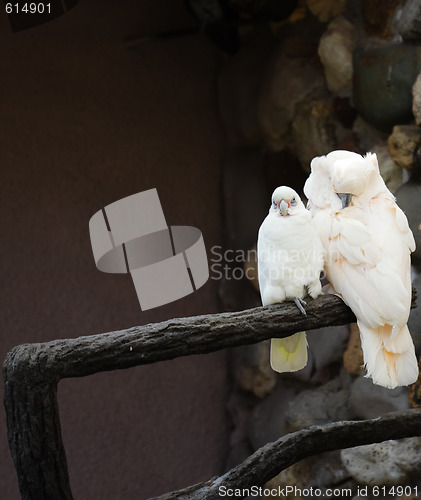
x=285, y=201
x=341, y=178
x=353, y=175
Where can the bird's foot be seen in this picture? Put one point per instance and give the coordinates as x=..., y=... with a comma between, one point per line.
x=300, y=303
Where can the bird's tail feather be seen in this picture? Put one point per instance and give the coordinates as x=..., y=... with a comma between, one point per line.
x=289, y=354
x=389, y=357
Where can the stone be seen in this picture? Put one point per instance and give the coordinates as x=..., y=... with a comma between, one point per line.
x=344, y=111
x=374, y=141
x=402, y=144
x=383, y=80
x=327, y=403
x=415, y=174
x=321, y=472
x=414, y=322
x=335, y=51
x=408, y=198
x=415, y=391
x=368, y=400
x=326, y=346
x=379, y=17
x=325, y=10
x=353, y=356
x=409, y=24
x=368, y=135
x=416, y=100
x=267, y=422
x=388, y=463
x=392, y=174
x=252, y=370
x=315, y=130
x=349, y=143
x=286, y=82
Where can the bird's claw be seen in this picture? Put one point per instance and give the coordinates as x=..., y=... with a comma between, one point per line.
x=300, y=303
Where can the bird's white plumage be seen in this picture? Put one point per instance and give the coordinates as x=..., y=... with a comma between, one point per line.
x=290, y=260
x=367, y=246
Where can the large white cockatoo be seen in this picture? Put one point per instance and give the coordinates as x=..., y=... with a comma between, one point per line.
x=290, y=260
x=367, y=244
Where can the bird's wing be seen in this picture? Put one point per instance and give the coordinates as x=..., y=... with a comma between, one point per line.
x=262, y=263
x=369, y=254
x=268, y=265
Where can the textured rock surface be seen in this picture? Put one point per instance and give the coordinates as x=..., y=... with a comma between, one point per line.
x=353, y=355
x=409, y=25
x=373, y=140
x=267, y=423
x=315, y=130
x=414, y=323
x=383, y=80
x=327, y=403
x=326, y=346
x=416, y=100
x=402, y=144
x=379, y=17
x=415, y=391
x=252, y=369
x=286, y=82
x=387, y=463
x=335, y=51
x=325, y=10
x=368, y=400
x=409, y=199
x=392, y=174
x=368, y=135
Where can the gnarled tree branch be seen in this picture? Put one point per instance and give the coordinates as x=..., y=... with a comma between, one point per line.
x=274, y=457
x=31, y=373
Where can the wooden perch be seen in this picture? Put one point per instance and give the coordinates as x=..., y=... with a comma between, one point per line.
x=274, y=457
x=31, y=373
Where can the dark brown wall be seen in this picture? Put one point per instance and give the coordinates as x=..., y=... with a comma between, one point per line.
x=85, y=122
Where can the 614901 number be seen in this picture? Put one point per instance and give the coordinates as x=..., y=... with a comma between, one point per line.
x=28, y=8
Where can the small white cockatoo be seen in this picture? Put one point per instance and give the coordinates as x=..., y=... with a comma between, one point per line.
x=290, y=260
x=367, y=244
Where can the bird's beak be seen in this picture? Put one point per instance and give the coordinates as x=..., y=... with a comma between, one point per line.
x=345, y=199
x=283, y=208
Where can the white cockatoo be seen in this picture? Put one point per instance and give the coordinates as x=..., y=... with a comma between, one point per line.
x=290, y=260
x=367, y=243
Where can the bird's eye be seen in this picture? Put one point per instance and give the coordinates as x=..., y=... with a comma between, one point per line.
x=293, y=202
x=274, y=204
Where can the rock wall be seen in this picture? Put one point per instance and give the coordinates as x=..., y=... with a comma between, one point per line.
x=334, y=75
